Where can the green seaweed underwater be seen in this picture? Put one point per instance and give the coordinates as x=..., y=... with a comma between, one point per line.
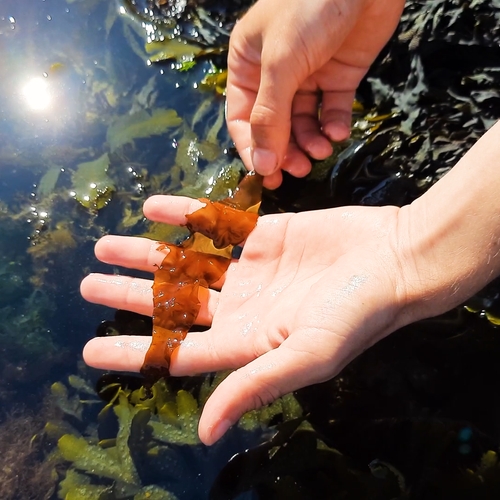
x=145, y=443
x=414, y=417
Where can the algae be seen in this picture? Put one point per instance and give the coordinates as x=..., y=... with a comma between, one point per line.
x=53, y=241
x=174, y=48
x=76, y=486
x=127, y=128
x=69, y=405
x=91, y=186
x=94, y=459
x=215, y=79
x=156, y=430
x=48, y=182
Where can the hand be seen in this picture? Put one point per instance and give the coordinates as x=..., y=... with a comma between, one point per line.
x=309, y=293
x=293, y=69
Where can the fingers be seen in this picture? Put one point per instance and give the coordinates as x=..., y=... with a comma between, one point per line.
x=260, y=89
x=120, y=353
x=273, y=180
x=118, y=292
x=142, y=253
x=306, y=126
x=130, y=252
x=136, y=295
x=296, y=162
x=336, y=113
x=127, y=352
x=170, y=209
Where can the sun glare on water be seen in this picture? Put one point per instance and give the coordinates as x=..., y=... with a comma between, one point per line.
x=37, y=94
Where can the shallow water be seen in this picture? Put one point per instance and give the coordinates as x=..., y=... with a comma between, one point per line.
x=417, y=416
x=68, y=72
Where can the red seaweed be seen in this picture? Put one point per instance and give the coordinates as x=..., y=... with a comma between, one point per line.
x=200, y=261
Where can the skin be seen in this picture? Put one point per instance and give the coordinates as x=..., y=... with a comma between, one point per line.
x=288, y=264
x=311, y=290
x=293, y=69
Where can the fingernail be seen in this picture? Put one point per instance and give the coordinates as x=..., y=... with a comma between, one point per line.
x=264, y=161
x=337, y=131
x=220, y=429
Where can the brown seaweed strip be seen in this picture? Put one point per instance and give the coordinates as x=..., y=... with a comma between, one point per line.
x=221, y=223
x=197, y=262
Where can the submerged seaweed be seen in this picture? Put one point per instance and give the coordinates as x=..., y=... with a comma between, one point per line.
x=24, y=474
x=146, y=440
x=414, y=417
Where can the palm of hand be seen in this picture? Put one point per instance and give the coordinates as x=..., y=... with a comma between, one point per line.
x=309, y=292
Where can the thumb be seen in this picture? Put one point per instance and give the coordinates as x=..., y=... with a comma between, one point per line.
x=260, y=382
x=270, y=118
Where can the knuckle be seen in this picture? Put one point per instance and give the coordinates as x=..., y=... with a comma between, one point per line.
x=259, y=393
x=266, y=395
x=263, y=116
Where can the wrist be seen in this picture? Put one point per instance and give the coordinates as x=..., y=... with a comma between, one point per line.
x=449, y=238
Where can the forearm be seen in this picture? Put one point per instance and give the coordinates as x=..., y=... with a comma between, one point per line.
x=452, y=233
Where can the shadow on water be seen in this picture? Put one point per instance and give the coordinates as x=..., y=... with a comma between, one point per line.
x=89, y=129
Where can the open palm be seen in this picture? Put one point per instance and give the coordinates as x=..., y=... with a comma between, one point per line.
x=308, y=294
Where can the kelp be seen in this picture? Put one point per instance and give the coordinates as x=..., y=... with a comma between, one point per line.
x=146, y=440
x=196, y=264
x=92, y=187
x=182, y=32
x=432, y=92
x=126, y=128
x=179, y=50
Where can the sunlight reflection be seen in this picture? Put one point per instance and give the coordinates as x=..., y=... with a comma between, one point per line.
x=37, y=94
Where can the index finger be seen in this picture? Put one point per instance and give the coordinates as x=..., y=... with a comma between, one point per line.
x=170, y=209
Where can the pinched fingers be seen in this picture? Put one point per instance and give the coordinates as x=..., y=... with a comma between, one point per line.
x=306, y=126
x=336, y=114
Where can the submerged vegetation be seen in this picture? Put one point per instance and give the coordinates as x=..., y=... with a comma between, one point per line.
x=414, y=417
x=146, y=440
x=24, y=474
